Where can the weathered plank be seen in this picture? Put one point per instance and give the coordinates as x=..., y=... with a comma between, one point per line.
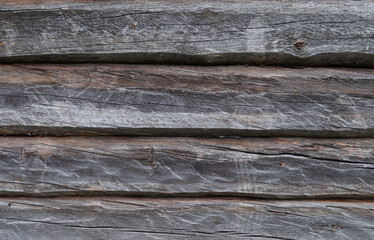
x=132, y=218
x=190, y=32
x=262, y=168
x=186, y=101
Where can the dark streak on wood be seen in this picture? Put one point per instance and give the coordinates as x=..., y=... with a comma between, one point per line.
x=186, y=101
x=189, y=32
x=278, y=168
x=142, y=218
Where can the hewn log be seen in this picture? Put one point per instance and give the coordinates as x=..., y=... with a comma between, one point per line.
x=132, y=218
x=294, y=32
x=263, y=168
x=186, y=101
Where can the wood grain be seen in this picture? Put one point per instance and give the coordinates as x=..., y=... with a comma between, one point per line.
x=314, y=33
x=277, y=168
x=186, y=101
x=142, y=218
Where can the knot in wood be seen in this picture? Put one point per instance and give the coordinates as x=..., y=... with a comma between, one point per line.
x=335, y=227
x=153, y=165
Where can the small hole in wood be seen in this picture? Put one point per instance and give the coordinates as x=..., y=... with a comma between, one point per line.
x=132, y=26
x=281, y=164
x=299, y=44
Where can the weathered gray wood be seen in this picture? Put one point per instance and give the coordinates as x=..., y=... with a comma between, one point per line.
x=186, y=101
x=328, y=32
x=132, y=218
x=263, y=168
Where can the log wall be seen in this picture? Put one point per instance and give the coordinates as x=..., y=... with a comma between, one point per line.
x=169, y=119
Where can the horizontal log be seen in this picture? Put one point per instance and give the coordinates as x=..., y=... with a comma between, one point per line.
x=315, y=33
x=132, y=218
x=277, y=168
x=186, y=101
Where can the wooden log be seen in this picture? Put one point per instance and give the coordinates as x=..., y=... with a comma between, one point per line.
x=186, y=101
x=142, y=218
x=277, y=168
x=269, y=32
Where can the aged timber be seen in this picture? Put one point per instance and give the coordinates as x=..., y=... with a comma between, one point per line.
x=142, y=218
x=277, y=168
x=186, y=101
x=313, y=33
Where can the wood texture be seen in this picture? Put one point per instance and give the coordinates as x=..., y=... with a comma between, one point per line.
x=313, y=33
x=132, y=218
x=186, y=101
x=169, y=185
x=263, y=168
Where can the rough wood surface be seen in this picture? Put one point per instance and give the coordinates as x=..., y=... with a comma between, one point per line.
x=328, y=32
x=280, y=168
x=186, y=101
x=132, y=218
